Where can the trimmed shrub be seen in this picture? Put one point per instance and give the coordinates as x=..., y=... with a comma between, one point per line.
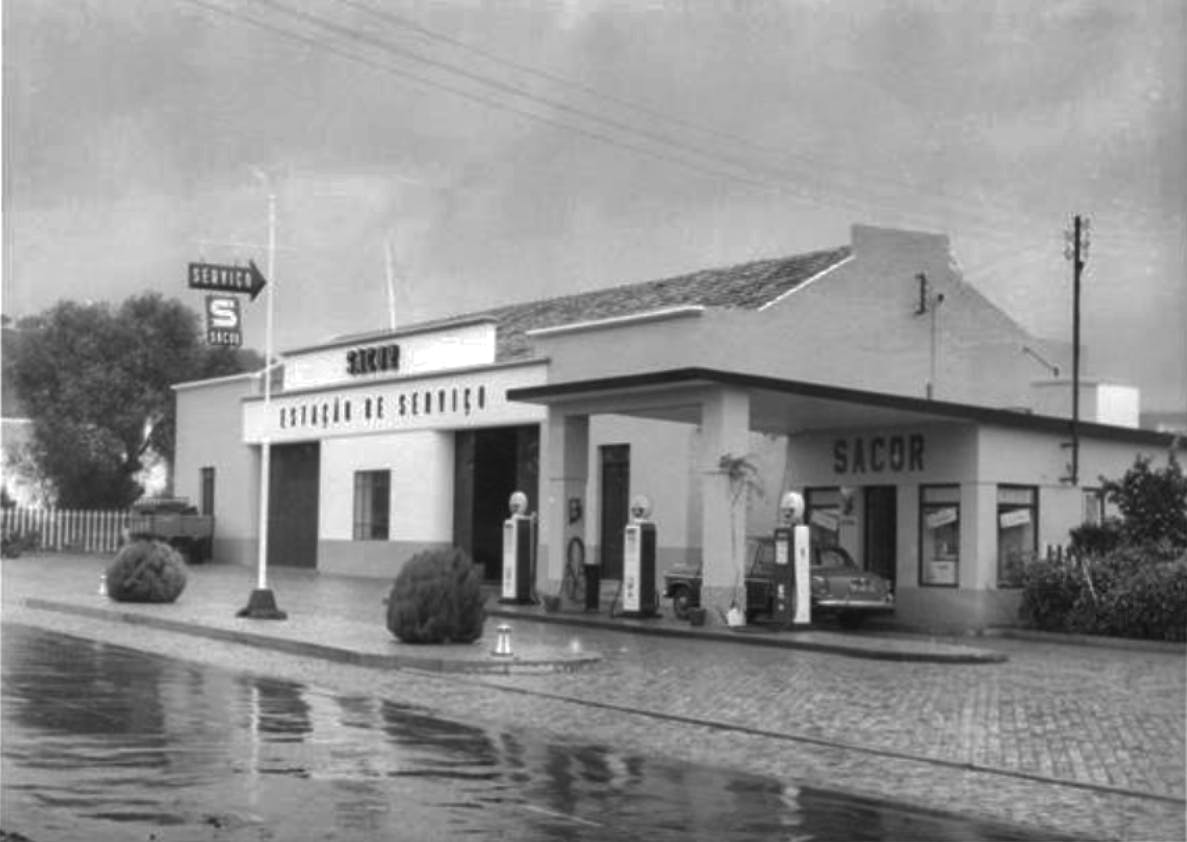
x=1124, y=594
x=1150, y=602
x=437, y=598
x=1050, y=591
x=146, y=571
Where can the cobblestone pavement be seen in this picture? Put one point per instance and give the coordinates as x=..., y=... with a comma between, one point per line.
x=1077, y=739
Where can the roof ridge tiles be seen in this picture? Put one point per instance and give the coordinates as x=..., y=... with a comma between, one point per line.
x=745, y=286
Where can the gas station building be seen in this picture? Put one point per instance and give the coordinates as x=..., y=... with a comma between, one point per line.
x=920, y=422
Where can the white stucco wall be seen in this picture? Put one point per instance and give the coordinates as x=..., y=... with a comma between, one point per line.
x=659, y=469
x=420, y=507
x=209, y=435
x=1104, y=403
x=421, y=465
x=855, y=326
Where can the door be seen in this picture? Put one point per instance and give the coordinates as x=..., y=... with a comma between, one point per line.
x=489, y=465
x=881, y=530
x=292, y=505
x=207, y=491
x=616, y=487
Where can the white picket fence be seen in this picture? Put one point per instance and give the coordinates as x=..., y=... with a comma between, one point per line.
x=67, y=529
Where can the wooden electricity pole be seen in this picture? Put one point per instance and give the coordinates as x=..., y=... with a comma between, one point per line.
x=1077, y=252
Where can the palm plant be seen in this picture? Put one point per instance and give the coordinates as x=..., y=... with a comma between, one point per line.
x=745, y=483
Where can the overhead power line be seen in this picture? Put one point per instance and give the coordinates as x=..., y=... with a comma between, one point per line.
x=816, y=163
x=671, y=150
x=712, y=159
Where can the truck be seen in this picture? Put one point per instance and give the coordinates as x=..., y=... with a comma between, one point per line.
x=177, y=523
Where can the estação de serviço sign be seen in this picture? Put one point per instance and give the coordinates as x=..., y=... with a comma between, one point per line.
x=329, y=412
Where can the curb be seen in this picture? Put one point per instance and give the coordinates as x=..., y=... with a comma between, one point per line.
x=911, y=652
x=495, y=666
x=1135, y=644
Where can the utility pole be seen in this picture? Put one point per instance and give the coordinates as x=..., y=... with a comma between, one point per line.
x=1077, y=252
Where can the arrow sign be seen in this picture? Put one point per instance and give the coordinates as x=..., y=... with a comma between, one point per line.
x=217, y=278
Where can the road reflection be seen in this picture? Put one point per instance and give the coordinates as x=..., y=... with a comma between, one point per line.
x=105, y=743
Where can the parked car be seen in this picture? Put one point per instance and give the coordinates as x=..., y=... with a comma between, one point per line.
x=839, y=587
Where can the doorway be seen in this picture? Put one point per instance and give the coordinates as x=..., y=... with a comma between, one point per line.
x=292, y=504
x=881, y=530
x=616, y=488
x=489, y=465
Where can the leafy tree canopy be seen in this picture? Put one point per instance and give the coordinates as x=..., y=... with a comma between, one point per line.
x=1153, y=504
x=96, y=381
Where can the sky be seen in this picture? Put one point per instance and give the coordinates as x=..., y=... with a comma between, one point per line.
x=505, y=151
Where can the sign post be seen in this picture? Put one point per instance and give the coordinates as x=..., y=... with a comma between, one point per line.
x=261, y=605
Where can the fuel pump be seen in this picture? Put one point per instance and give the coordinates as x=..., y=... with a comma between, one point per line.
x=518, y=547
x=638, y=562
x=793, y=594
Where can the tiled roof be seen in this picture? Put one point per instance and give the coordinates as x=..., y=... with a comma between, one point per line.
x=747, y=287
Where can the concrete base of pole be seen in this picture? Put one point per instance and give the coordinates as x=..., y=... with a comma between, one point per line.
x=262, y=606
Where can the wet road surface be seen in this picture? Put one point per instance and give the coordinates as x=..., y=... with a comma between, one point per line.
x=106, y=743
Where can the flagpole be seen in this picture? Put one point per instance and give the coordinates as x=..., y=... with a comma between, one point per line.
x=262, y=603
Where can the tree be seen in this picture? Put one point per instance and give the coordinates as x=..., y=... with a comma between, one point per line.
x=1153, y=504
x=96, y=384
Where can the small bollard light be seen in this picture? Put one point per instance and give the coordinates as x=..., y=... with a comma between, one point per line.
x=503, y=641
x=102, y=584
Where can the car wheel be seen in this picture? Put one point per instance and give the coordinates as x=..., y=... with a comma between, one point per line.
x=681, y=601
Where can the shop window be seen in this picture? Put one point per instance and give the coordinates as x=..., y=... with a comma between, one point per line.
x=939, y=535
x=372, y=498
x=1017, y=532
x=822, y=513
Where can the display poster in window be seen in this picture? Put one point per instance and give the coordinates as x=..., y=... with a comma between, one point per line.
x=940, y=517
x=941, y=547
x=1018, y=517
x=825, y=519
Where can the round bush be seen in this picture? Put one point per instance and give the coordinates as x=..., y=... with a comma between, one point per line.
x=146, y=571
x=437, y=598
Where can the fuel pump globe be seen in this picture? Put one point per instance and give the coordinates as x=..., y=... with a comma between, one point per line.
x=518, y=503
x=640, y=507
x=791, y=508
